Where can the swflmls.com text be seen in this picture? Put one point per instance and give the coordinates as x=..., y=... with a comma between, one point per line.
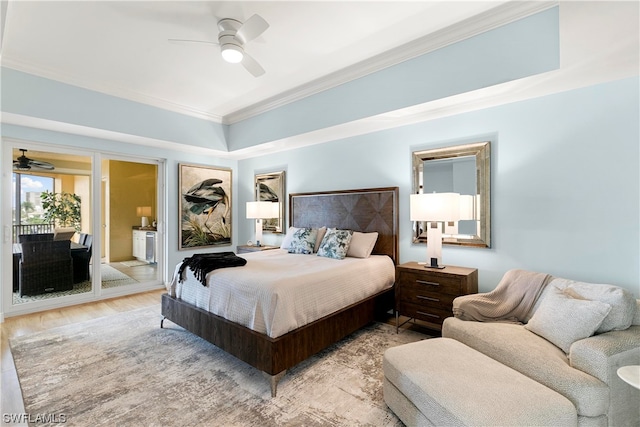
x=34, y=418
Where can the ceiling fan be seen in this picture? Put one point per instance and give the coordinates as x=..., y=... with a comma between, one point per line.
x=233, y=36
x=23, y=163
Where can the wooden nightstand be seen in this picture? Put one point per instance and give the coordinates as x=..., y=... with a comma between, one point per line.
x=427, y=294
x=243, y=249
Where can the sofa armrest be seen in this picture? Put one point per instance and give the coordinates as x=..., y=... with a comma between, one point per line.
x=601, y=355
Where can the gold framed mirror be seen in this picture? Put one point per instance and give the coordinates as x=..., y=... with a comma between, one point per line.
x=463, y=169
x=270, y=187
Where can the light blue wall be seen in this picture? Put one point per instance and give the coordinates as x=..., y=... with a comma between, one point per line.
x=34, y=96
x=522, y=48
x=565, y=182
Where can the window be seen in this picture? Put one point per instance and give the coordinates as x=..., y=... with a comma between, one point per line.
x=27, y=204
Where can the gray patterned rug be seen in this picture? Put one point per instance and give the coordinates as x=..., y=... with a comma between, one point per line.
x=124, y=370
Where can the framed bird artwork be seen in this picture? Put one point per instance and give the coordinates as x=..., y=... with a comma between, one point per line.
x=205, y=206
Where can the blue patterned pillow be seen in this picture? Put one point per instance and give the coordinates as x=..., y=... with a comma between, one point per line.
x=304, y=241
x=335, y=243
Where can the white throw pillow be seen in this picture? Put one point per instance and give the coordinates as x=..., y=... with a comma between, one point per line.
x=622, y=302
x=562, y=319
x=362, y=244
x=321, y=232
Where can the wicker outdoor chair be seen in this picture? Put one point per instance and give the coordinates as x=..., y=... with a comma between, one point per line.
x=45, y=266
x=34, y=237
x=81, y=259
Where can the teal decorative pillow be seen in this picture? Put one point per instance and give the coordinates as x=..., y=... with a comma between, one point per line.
x=335, y=243
x=303, y=241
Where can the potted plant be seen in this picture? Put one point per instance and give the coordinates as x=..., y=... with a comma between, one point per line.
x=61, y=209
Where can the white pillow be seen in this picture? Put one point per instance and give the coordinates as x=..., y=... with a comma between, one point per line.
x=321, y=232
x=622, y=302
x=286, y=242
x=636, y=318
x=562, y=320
x=362, y=244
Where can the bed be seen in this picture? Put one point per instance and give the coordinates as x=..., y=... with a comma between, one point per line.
x=272, y=349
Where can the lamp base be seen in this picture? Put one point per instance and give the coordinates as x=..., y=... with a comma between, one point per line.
x=434, y=264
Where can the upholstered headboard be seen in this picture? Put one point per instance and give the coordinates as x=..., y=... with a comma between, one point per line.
x=366, y=210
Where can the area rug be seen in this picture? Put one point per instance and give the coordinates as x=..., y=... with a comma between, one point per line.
x=110, y=277
x=125, y=370
x=133, y=263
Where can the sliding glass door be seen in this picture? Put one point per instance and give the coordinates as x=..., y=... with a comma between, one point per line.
x=84, y=226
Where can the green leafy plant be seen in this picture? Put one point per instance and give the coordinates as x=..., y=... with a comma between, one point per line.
x=61, y=209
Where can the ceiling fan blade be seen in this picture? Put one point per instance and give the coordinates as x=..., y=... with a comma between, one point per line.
x=252, y=28
x=252, y=65
x=179, y=41
x=41, y=165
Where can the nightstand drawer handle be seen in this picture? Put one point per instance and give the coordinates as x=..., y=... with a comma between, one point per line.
x=428, y=298
x=424, y=282
x=428, y=314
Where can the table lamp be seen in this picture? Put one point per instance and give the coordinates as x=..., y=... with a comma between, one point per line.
x=144, y=212
x=467, y=212
x=435, y=208
x=260, y=211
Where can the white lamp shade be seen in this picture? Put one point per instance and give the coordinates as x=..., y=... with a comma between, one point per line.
x=262, y=210
x=467, y=207
x=143, y=211
x=435, y=207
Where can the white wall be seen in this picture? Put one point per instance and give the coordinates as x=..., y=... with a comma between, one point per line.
x=565, y=182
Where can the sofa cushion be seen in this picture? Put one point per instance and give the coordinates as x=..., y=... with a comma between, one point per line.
x=636, y=317
x=622, y=302
x=452, y=384
x=563, y=319
x=535, y=357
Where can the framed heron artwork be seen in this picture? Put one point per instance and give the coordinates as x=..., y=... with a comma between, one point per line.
x=205, y=206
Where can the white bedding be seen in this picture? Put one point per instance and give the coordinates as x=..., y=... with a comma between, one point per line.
x=276, y=292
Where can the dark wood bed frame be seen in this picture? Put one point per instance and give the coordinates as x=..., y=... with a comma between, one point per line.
x=359, y=210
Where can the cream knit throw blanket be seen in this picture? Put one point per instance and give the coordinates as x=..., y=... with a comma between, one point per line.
x=510, y=301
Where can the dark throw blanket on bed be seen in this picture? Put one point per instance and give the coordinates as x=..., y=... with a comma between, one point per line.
x=201, y=264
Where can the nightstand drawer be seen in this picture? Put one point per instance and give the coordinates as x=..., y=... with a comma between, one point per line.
x=422, y=282
x=422, y=312
x=424, y=296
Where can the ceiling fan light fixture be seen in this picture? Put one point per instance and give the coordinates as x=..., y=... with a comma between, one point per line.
x=232, y=53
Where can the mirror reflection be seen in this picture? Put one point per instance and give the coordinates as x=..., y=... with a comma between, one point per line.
x=270, y=187
x=465, y=170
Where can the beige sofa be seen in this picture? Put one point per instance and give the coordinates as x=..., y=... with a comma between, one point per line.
x=545, y=349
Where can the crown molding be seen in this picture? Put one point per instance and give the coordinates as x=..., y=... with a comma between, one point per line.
x=89, y=132
x=483, y=22
x=118, y=92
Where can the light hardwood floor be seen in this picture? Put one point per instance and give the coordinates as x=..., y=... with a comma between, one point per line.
x=11, y=396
